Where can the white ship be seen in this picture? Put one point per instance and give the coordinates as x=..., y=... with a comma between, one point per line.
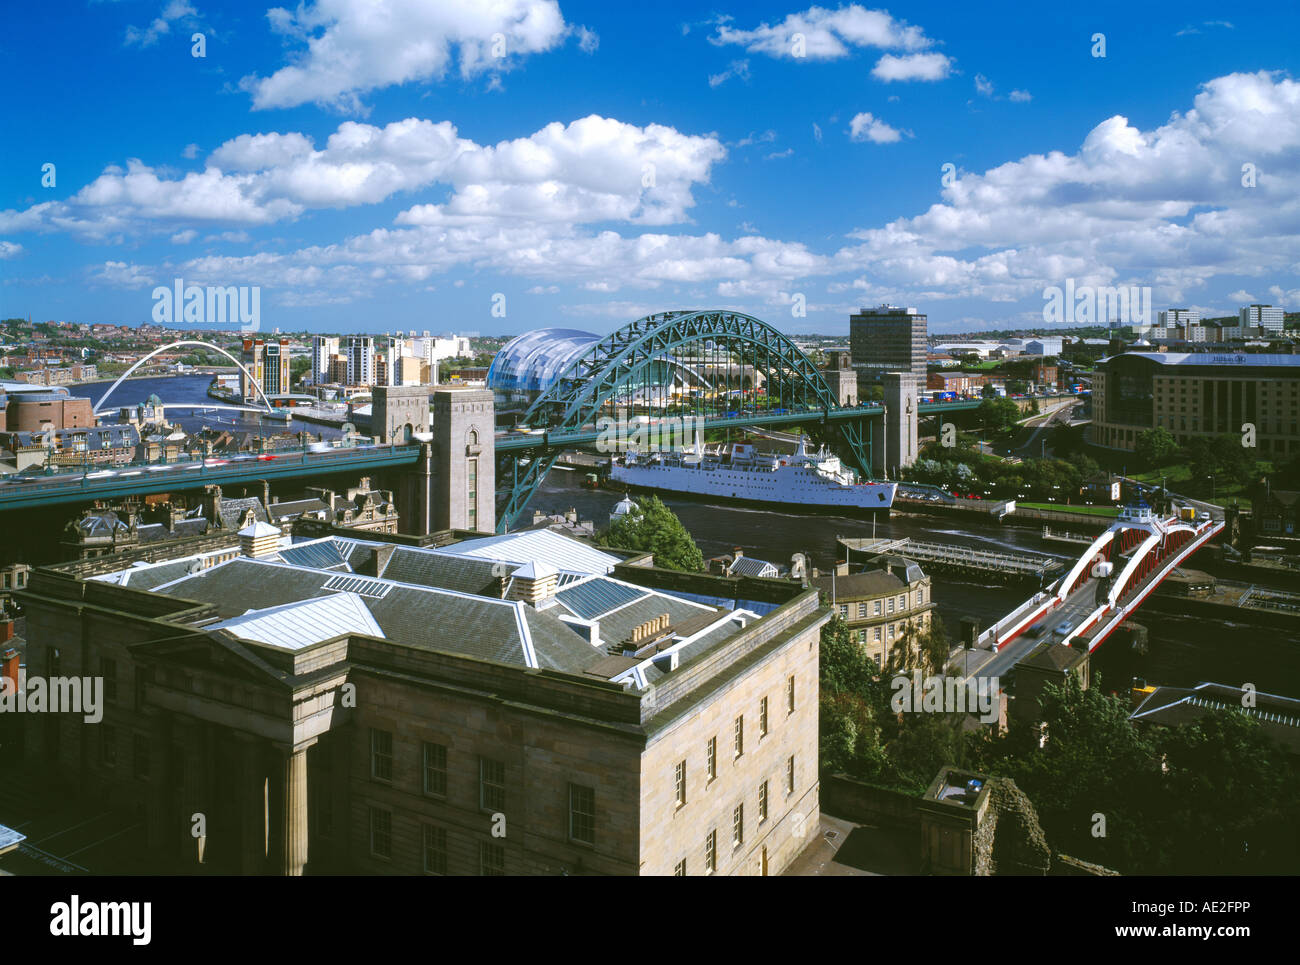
x=742, y=473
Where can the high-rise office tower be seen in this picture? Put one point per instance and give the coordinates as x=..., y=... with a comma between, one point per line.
x=888, y=339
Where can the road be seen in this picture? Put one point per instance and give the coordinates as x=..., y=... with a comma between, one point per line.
x=1073, y=611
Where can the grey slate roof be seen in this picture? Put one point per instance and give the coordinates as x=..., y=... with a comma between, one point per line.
x=464, y=574
x=232, y=511
x=872, y=583
x=415, y=616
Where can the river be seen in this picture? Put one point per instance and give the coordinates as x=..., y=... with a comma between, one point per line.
x=174, y=389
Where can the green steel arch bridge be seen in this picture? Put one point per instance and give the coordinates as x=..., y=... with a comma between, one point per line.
x=719, y=369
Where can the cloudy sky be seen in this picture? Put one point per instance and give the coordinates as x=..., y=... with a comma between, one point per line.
x=403, y=164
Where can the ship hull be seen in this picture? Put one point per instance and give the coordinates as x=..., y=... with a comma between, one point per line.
x=700, y=487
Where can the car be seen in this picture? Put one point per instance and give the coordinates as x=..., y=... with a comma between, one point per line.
x=101, y=474
x=133, y=472
x=157, y=468
x=1035, y=631
x=216, y=462
x=1065, y=628
x=265, y=458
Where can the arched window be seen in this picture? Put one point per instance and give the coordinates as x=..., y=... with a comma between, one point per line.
x=473, y=437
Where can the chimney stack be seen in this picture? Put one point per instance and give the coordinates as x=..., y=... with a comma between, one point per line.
x=259, y=540
x=534, y=582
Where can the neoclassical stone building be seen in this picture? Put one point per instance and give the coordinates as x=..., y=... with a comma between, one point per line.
x=453, y=704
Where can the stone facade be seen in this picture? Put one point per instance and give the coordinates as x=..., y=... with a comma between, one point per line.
x=464, y=492
x=245, y=758
x=398, y=413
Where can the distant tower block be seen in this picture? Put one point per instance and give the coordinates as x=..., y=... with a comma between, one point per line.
x=464, y=485
x=399, y=413
x=898, y=449
x=841, y=377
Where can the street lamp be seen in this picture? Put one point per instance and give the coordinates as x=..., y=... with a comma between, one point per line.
x=1210, y=477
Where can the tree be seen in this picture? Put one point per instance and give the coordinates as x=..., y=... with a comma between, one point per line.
x=1156, y=447
x=298, y=368
x=654, y=528
x=998, y=413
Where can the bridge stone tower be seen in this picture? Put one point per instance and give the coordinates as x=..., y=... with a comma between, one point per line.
x=841, y=377
x=453, y=483
x=897, y=447
x=464, y=495
x=399, y=413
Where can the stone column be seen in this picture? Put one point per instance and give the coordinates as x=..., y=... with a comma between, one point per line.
x=289, y=803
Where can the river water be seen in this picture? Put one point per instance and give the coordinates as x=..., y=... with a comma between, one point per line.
x=1182, y=651
x=174, y=389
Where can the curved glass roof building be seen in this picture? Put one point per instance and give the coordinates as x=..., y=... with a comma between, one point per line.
x=531, y=363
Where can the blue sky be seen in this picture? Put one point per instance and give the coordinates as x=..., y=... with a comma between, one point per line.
x=396, y=165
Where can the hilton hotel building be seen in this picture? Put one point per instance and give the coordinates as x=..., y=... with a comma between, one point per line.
x=1199, y=394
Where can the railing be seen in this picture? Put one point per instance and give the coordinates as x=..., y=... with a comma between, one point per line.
x=188, y=469
x=1012, y=621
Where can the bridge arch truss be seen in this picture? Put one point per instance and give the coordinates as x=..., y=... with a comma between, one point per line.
x=177, y=344
x=713, y=364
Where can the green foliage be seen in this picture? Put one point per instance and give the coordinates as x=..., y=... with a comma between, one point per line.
x=1223, y=457
x=298, y=368
x=998, y=413
x=1208, y=798
x=862, y=735
x=1156, y=447
x=655, y=528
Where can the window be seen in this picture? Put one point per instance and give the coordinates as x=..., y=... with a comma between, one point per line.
x=711, y=851
x=582, y=813
x=435, y=769
x=711, y=758
x=762, y=717
x=491, y=859
x=108, y=670
x=740, y=735
x=920, y=595
x=789, y=694
x=789, y=775
x=844, y=611
x=862, y=610
x=491, y=784
x=471, y=494
x=762, y=802
x=108, y=745
x=381, y=833
x=738, y=826
x=435, y=850
x=875, y=608
x=902, y=601
x=680, y=870
x=381, y=754
x=877, y=635
x=679, y=781
x=890, y=608
x=140, y=755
